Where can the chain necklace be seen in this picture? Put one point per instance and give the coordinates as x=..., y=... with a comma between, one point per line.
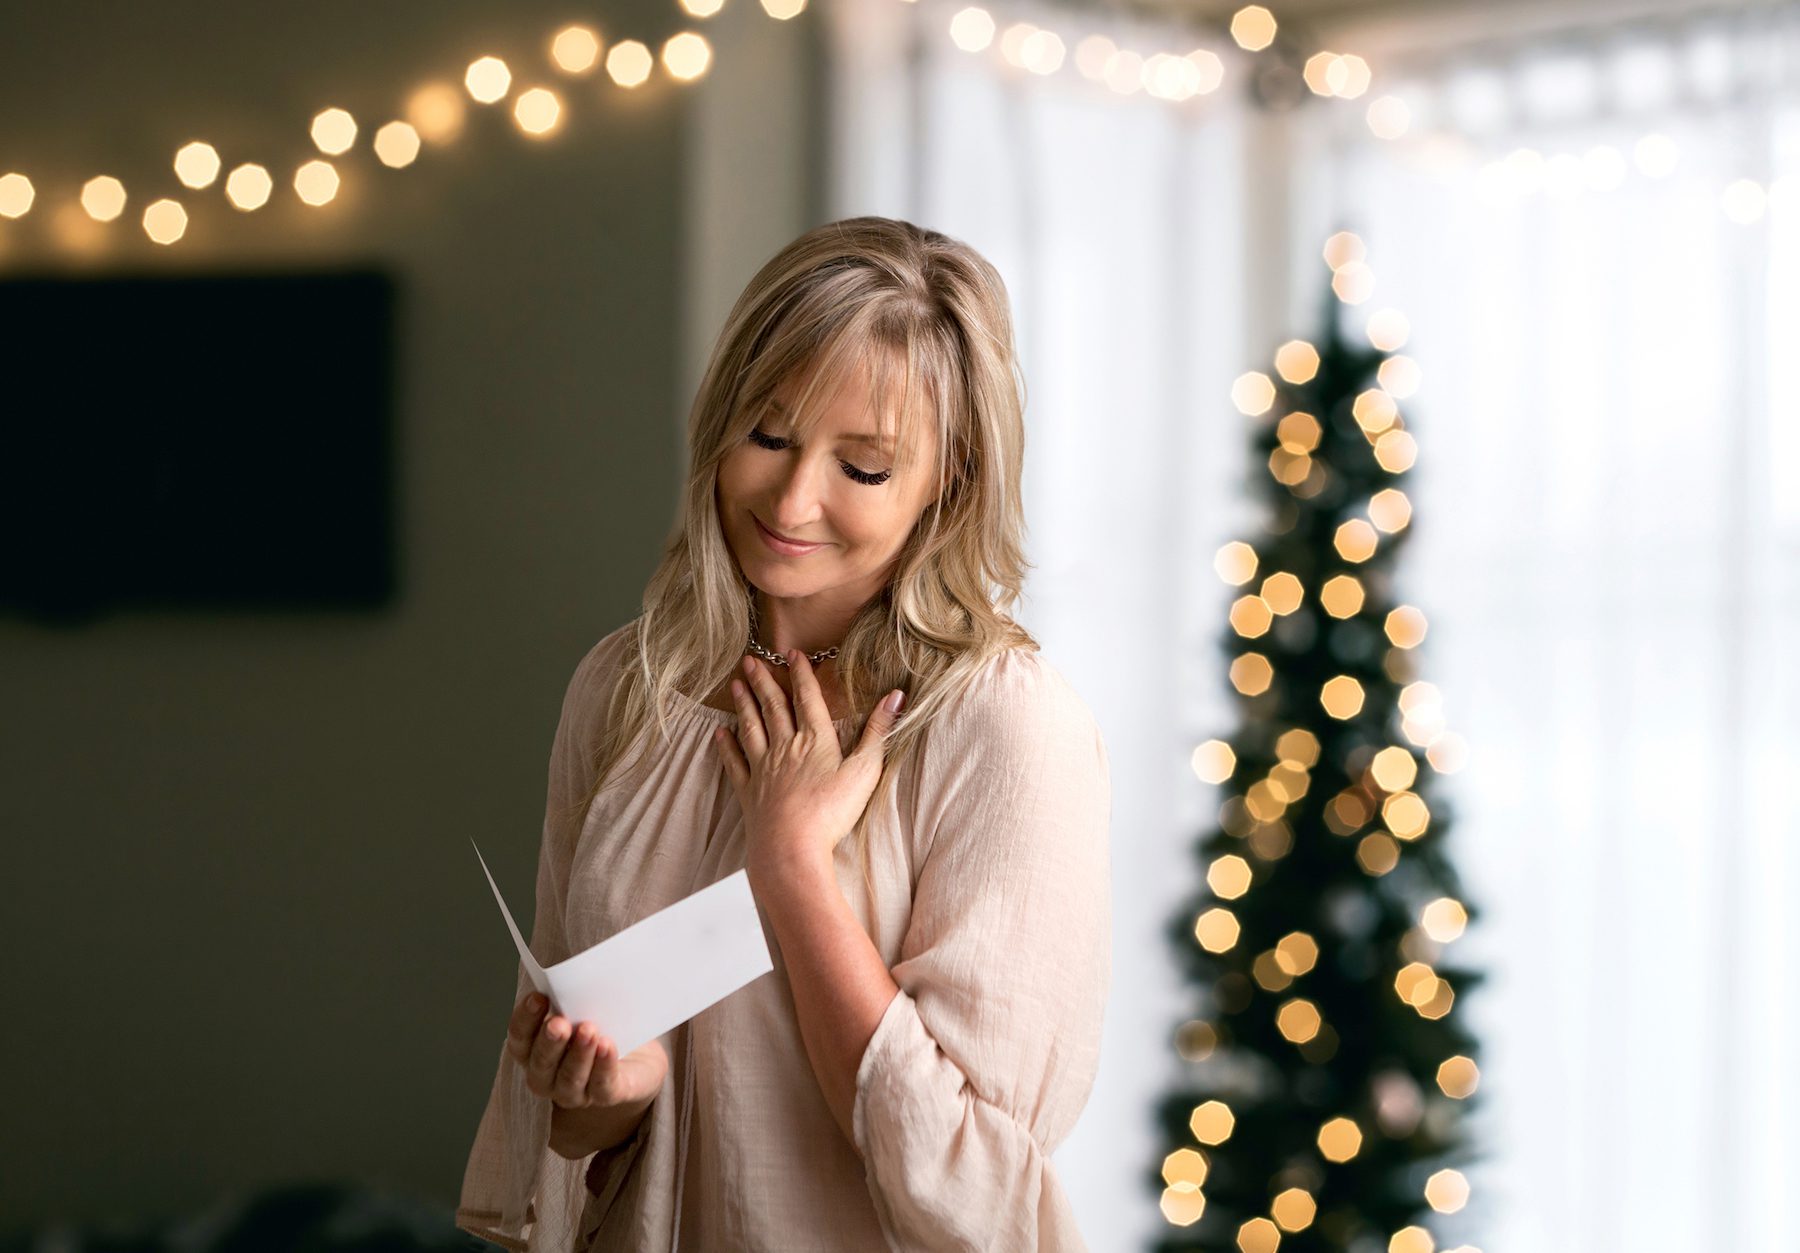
x=775, y=658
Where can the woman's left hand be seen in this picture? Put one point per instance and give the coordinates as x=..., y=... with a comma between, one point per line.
x=799, y=793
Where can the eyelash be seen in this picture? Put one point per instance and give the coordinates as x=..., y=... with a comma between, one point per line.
x=774, y=444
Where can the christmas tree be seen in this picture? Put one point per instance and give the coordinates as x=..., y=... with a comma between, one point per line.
x=1327, y=1074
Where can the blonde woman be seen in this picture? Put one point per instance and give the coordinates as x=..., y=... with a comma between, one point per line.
x=933, y=883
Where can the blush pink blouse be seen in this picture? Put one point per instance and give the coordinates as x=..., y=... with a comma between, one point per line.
x=992, y=909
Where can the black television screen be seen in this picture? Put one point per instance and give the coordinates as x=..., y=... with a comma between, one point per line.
x=183, y=442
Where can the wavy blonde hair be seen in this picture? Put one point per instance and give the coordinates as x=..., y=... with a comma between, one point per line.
x=885, y=297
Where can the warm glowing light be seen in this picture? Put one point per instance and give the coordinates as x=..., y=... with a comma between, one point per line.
x=1354, y=282
x=1196, y=1040
x=972, y=29
x=1229, y=877
x=1251, y=674
x=1214, y=761
x=487, y=80
x=1374, y=410
x=197, y=164
x=1250, y=616
x=1185, y=1166
x=248, y=187
x=1259, y=1235
x=103, y=197
x=1377, y=853
x=1182, y=1206
x=1447, y=753
x=436, y=111
x=1352, y=76
x=1396, y=452
x=316, y=182
x=1253, y=393
x=576, y=49
x=1282, y=592
x=1042, y=52
x=1355, y=540
x=397, y=145
x=1444, y=919
x=1405, y=626
x=782, y=10
x=1211, y=70
x=1212, y=1123
x=1340, y=1140
x=1343, y=248
x=333, y=131
x=1388, y=329
x=1297, y=361
x=537, y=111
x=686, y=56
x=1342, y=596
x=16, y=195
x=1411, y=1240
x=1399, y=376
x=1298, y=1020
x=1090, y=55
x=1390, y=510
x=1299, y=432
x=1458, y=1077
x=628, y=63
x=1324, y=73
x=1253, y=27
x=1299, y=746
x=1342, y=696
x=1297, y=953
x=1268, y=973
x=1294, y=1209
x=1394, y=769
x=1217, y=930
x=165, y=221
x=1416, y=983
x=1235, y=563
x=1389, y=117
x=1406, y=815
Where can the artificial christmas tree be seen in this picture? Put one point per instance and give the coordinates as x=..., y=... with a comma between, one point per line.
x=1327, y=1073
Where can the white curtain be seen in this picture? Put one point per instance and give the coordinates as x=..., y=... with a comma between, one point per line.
x=1596, y=240
x=1607, y=540
x=1117, y=224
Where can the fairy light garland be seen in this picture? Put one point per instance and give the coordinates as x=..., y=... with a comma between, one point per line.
x=434, y=114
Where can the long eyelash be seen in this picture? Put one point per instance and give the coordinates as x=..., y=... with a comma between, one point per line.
x=774, y=444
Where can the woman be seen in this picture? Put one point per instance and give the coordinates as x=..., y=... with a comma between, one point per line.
x=934, y=887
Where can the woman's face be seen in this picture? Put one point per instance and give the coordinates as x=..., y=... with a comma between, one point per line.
x=838, y=491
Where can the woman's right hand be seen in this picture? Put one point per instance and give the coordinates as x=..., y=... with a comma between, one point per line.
x=597, y=1096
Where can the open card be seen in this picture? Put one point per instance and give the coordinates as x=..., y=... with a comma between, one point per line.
x=658, y=972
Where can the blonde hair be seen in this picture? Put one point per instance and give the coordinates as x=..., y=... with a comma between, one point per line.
x=868, y=293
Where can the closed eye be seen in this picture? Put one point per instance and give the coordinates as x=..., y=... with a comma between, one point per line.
x=775, y=444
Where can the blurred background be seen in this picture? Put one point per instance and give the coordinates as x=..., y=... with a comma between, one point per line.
x=1414, y=490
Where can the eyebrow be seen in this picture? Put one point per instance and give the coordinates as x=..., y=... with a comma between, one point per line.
x=857, y=437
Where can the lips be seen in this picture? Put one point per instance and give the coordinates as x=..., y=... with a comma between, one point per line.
x=780, y=544
x=798, y=543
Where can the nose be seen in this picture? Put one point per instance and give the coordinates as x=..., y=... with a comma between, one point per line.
x=797, y=494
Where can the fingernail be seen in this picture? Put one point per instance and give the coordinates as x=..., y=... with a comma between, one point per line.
x=895, y=701
x=535, y=1001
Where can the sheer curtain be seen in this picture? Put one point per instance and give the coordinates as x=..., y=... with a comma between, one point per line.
x=1596, y=239
x=1607, y=537
x=1117, y=223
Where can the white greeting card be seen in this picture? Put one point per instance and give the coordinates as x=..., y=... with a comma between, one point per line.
x=658, y=972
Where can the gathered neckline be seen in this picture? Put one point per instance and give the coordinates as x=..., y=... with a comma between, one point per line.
x=725, y=716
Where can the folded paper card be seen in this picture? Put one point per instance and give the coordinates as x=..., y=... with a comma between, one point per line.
x=658, y=972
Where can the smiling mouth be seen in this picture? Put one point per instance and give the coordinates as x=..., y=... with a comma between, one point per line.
x=777, y=535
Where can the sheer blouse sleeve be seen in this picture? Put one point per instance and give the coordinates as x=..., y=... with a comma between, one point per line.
x=985, y=1057
x=516, y=1192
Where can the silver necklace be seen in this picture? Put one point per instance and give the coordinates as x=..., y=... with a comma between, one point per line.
x=775, y=658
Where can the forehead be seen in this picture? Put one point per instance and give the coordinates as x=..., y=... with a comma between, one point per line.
x=854, y=409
